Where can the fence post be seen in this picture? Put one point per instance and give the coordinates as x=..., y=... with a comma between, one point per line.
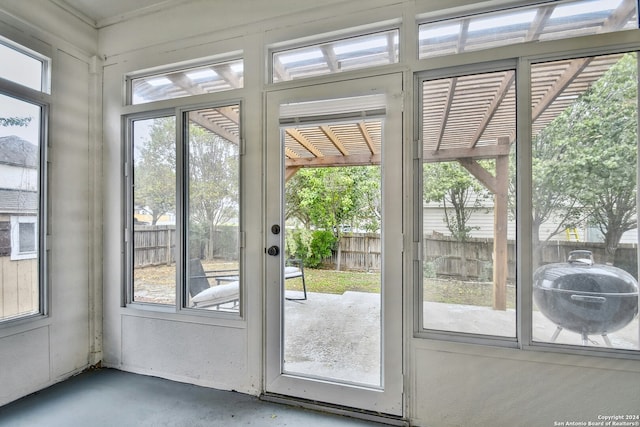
x=168, y=250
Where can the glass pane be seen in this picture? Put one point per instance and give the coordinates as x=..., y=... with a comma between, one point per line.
x=188, y=82
x=553, y=20
x=585, y=230
x=468, y=130
x=19, y=207
x=20, y=68
x=333, y=247
x=27, y=232
x=154, y=210
x=336, y=56
x=213, y=208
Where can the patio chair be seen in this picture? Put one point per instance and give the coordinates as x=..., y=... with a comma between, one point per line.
x=295, y=268
x=204, y=295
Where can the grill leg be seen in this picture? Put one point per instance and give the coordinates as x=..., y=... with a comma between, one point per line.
x=606, y=340
x=556, y=333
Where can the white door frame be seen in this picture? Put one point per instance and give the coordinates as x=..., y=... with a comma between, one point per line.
x=389, y=398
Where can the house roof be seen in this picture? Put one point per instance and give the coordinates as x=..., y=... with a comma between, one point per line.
x=18, y=201
x=16, y=151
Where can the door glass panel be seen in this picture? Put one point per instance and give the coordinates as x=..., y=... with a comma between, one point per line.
x=213, y=208
x=332, y=260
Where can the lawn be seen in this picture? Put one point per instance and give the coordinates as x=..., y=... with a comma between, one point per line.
x=436, y=290
x=157, y=284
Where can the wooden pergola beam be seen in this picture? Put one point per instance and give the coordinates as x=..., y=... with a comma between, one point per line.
x=447, y=108
x=575, y=68
x=198, y=118
x=367, y=137
x=302, y=140
x=500, y=227
x=290, y=171
x=502, y=91
x=335, y=161
x=335, y=140
x=480, y=173
x=455, y=154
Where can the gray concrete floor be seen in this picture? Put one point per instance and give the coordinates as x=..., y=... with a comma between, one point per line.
x=107, y=397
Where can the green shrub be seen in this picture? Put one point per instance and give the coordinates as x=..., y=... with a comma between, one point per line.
x=310, y=246
x=322, y=243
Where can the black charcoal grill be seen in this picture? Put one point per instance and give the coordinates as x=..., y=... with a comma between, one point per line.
x=583, y=297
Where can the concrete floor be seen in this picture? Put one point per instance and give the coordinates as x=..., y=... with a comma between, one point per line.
x=112, y=398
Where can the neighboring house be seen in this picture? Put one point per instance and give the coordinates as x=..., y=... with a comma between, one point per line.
x=481, y=222
x=18, y=198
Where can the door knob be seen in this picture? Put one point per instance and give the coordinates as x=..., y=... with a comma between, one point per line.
x=273, y=251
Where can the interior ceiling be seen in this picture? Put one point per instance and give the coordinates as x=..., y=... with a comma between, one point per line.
x=100, y=13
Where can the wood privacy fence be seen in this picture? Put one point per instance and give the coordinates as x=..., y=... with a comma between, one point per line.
x=443, y=256
x=19, y=292
x=156, y=244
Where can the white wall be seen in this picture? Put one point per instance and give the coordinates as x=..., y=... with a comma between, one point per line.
x=35, y=354
x=447, y=384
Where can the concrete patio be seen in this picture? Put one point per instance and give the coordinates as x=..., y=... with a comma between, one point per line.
x=337, y=336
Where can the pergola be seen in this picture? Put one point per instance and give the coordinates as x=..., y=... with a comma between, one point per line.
x=465, y=118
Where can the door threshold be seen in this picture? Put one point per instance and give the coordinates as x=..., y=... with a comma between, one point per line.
x=377, y=417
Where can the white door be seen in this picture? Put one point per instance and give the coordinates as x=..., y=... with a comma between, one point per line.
x=334, y=171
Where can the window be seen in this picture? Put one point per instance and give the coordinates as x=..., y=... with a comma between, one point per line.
x=336, y=56
x=24, y=244
x=584, y=146
x=580, y=207
x=23, y=78
x=209, y=78
x=189, y=207
x=548, y=21
x=468, y=141
x=153, y=210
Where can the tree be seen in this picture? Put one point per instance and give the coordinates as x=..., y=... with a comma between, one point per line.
x=155, y=170
x=585, y=161
x=331, y=198
x=460, y=194
x=213, y=184
x=15, y=121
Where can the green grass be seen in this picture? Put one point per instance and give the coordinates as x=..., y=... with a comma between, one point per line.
x=435, y=290
x=336, y=282
x=161, y=280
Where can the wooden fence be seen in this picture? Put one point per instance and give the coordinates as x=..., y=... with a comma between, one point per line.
x=358, y=251
x=443, y=255
x=156, y=245
x=19, y=291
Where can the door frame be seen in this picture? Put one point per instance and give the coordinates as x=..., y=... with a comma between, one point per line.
x=389, y=398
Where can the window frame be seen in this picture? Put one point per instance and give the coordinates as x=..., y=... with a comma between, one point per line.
x=16, y=237
x=178, y=67
x=524, y=263
x=332, y=37
x=487, y=12
x=419, y=330
x=42, y=100
x=178, y=112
